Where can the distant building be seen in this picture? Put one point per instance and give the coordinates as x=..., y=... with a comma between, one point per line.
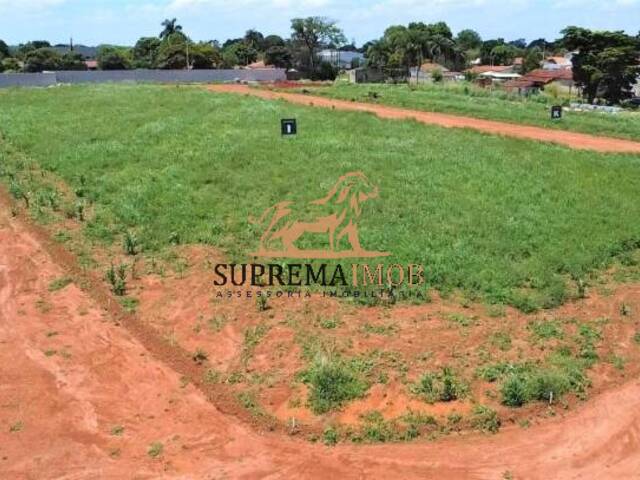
x=480, y=69
x=537, y=80
x=342, y=60
x=427, y=70
x=366, y=75
x=91, y=64
x=558, y=63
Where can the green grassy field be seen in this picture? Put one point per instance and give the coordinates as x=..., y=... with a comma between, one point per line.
x=506, y=220
x=469, y=100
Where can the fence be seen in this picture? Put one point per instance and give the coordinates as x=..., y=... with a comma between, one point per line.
x=141, y=76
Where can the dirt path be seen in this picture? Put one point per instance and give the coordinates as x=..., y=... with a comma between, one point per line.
x=70, y=375
x=578, y=141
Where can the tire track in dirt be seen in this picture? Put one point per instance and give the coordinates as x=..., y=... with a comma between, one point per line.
x=578, y=141
x=111, y=374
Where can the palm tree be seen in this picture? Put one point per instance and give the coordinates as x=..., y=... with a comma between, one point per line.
x=170, y=27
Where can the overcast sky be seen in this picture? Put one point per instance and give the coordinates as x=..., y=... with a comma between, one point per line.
x=92, y=22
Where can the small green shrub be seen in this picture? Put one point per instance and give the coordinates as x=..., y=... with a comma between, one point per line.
x=332, y=382
x=330, y=436
x=130, y=243
x=514, y=391
x=117, y=279
x=496, y=371
x=155, y=449
x=444, y=386
x=130, y=304
x=485, y=418
x=376, y=429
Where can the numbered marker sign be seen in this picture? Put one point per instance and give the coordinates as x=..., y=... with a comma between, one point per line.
x=556, y=112
x=289, y=126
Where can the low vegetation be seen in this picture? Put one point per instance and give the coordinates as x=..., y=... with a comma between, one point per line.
x=332, y=382
x=519, y=227
x=466, y=99
x=443, y=386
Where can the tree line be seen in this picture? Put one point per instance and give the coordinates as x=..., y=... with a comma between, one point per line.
x=605, y=64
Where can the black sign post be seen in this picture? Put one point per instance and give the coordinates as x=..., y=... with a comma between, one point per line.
x=288, y=126
x=556, y=112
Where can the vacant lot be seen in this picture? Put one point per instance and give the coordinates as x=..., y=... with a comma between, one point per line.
x=505, y=220
x=150, y=186
x=469, y=100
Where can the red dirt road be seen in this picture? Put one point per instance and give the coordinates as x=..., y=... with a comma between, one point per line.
x=69, y=374
x=580, y=141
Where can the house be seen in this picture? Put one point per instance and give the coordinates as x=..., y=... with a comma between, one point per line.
x=366, y=75
x=537, y=80
x=558, y=63
x=479, y=69
x=426, y=72
x=498, y=77
x=342, y=60
x=91, y=64
x=636, y=87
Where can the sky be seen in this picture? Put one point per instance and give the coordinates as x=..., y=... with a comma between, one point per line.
x=122, y=22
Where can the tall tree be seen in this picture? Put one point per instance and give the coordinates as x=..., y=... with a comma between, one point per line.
x=606, y=63
x=278, y=56
x=172, y=53
x=73, y=61
x=273, y=41
x=170, y=27
x=110, y=57
x=531, y=60
x=254, y=39
x=469, y=39
x=204, y=55
x=42, y=59
x=4, y=50
x=315, y=32
x=145, y=52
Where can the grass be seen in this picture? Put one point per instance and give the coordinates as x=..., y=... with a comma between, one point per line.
x=506, y=221
x=468, y=100
x=542, y=330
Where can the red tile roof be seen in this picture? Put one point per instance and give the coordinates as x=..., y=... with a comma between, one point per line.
x=548, y=76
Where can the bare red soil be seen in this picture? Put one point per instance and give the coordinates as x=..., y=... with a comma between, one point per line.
x=84, y=392
x=574, y=140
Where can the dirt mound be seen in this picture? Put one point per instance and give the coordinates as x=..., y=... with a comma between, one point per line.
x=80, y=397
